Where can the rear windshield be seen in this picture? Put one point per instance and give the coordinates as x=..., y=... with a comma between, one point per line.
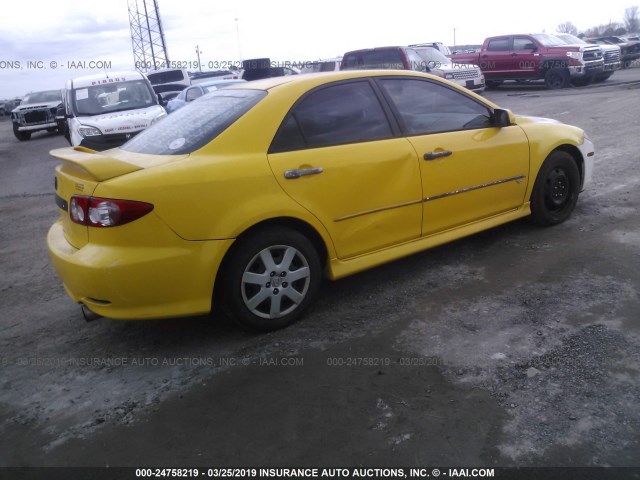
x=196, y=124
x=385, y=59
x=169, y=76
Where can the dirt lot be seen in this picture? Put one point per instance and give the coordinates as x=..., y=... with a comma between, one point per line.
x=518, y=346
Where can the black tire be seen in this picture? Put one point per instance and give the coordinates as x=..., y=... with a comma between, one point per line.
x=262, y=299
x=603, y=77
x=582, y=82
x=22, y=136
x=556, y=78
x=492, y=84
x=556, y=190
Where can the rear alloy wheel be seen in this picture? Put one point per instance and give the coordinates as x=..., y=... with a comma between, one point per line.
x=556, y=190
x=271, y=279
x=556, y=78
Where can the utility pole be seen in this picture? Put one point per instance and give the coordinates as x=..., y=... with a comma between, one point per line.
x=238, y=37
x=198, y=52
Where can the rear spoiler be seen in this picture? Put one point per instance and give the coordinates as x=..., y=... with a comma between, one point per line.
x=98, y=166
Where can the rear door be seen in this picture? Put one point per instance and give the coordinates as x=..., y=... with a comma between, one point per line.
x=336, y=155
x=496, y=61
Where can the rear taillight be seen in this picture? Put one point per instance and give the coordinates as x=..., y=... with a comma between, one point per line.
x=105, y=212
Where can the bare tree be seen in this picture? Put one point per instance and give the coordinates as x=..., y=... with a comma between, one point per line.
x=567, y=27
x=631, y=19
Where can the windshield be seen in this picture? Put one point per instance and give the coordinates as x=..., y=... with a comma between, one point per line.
x=548, y=40
x=571, y=39
x=43, y=97
x=196, y=124
x=113, y=97
x=433, y=55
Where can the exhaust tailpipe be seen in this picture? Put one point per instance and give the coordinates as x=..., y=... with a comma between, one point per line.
x=88, y=315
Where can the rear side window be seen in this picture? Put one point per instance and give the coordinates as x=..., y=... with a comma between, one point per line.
x=390, y=58
x=498, y=45
x=196, y=124
x=339, y=114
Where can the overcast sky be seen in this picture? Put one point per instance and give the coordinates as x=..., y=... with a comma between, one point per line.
x=63, y=31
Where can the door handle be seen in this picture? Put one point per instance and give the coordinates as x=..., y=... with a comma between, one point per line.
x=434, y=155
x=292, y=174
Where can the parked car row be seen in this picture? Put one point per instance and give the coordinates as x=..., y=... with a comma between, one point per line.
x=557, y=61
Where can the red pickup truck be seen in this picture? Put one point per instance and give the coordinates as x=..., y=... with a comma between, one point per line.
x=535, y=57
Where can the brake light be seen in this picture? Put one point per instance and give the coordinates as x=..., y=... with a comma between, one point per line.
x=105, y=212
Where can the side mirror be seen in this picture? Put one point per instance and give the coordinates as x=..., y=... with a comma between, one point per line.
x=431, y=65
x=501, y=118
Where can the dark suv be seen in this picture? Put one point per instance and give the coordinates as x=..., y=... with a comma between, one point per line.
x=390, y=58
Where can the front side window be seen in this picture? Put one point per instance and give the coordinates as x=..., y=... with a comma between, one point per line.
x=523, y=43
x=427, y=107
x=196, y=124
x=338, y=114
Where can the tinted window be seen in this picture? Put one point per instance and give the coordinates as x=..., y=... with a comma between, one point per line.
x=170, y=76
x=523, y=43
x=345, y=113
x=196, y=124
x=427, y=107
x=389, y=58
x=498, y=45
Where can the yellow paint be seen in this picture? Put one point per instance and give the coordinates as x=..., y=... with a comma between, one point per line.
x=371, y=204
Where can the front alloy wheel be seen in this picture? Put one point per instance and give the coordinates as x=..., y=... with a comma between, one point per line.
x=271, y=279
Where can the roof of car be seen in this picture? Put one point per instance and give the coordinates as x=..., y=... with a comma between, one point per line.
x=211, y=83
x=105, y=77
x=312, y=80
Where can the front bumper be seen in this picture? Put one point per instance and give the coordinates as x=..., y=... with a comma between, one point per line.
x=133, y=282
x=608, y=67
x=31, y=128
x=587, y=150
x=588, y=69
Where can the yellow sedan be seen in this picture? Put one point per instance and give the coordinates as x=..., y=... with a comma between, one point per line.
x=252, y=194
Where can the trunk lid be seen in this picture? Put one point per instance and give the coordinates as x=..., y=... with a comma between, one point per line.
x=81, y=171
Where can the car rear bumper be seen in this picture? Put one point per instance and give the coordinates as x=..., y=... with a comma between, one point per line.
x=138, y=283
